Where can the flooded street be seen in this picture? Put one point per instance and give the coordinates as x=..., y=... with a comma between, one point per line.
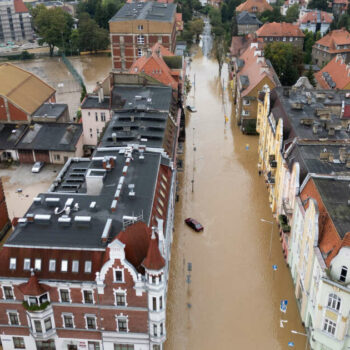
x=231, y=298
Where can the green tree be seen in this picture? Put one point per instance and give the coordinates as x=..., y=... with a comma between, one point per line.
x=287, y=60
x=54, y=26
x=319, y=5
x=219, y=51
x=292, y=13
x=310, y=75
x=271, y=16
x=234, y=25
x=309, y=41
x=196, y=27
x=91, y=36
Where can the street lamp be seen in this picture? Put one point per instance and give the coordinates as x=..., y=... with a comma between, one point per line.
x=304, y=334
x=269, y=222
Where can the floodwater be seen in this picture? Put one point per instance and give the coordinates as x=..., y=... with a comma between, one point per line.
x=231, y=297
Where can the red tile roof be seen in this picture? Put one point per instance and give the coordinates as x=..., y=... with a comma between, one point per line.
x=280, y=30
x=153, y=260
x=136, y=238
x=179, y=21
x=311, y=17
x=20, y=7
x=343, y=243
x=338, y=71
x=254, y=6
x=334, y=38
x=33, y=287
x=155, y=66
x=240, y=43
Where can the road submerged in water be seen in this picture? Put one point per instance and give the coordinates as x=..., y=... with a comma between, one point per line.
x=223, y=292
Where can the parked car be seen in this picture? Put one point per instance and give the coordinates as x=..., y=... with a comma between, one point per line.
x=194, y=224
x=37, y=167
x=191, y=109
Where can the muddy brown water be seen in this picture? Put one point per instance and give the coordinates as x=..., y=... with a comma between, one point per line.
x=233, y=298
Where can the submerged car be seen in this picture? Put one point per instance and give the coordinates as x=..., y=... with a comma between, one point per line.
x=37, y=167
x=191, y=109
x=194, y=224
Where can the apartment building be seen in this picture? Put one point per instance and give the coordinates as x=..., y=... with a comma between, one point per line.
x=87, y=266
x=315, y=21
x=136, y=27
x=15, y=22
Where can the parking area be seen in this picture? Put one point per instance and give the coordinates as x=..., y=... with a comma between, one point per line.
x=21, y=185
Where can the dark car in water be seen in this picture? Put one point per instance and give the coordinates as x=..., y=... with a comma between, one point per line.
x=194, y=224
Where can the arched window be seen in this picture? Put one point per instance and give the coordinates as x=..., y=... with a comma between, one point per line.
x=334, y=302
x=343, y=273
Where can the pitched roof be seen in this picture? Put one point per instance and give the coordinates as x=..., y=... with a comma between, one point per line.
x=136, y=238
x=280, y=29
x=22, y=88
x=343, y=243
x=336, y=74
x=240, y=43
x=255, y=69
x=334, y=38
x=248, y=18
x=254, y=6
x=155, y=66
x=20, y=7
x=317, y=17
x=153, y=260
x=33, y=287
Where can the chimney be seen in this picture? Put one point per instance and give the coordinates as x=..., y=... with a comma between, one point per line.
x=101, y=96
x=342, y=154
x=324, y=154
x=331, y=157
x=30, y=217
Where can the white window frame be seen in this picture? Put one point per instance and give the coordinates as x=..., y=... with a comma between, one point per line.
x=75, y=262
x=13, y=341
x=140, y=27
x=83, y=298
x=25, y=264
x=8, y=312
x=62, y=265
x=37, y=264
x=122, y=317
x=86, y=316
x=52, y=324
x=69, y=295
x=54, y=262
x=333, y=300
x=329, y=323
x=3, y=292
x=87, y=263
x=120, y=291
x=70, y=315
x=114, y=275
x=13, y=263
x=140, y=39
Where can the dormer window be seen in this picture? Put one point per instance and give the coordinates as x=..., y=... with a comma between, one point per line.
x=64, y=265
x=26, y=264
x=343, y=274
x=37, y=264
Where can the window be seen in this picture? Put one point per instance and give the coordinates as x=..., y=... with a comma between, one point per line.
x=161, y=329
x=52, y=265
x=48, y=324
x=154, y=279
x=8, y=293
x=118, y=275
x=64, y=293
x=334, y=302
x=68, y=321
x=57, y=157
x=64, y=265
x=122, y=325
x=94, y=345
x=163, y=185
x=123, y=347
x=140, y=27
x=88, y=299
x=103, y=117
x=90, y=322
x=246, y=102
x=87, y=266
x=37, y=326
x=120, y=299
x=140, y=39
x=13, y=318
x=75, y=266
x=12, y=263
x=291, y=39
x=329, y=326
x=284, y=38
x=96, y=116
x=18, y=343
x=155, y=330
x=161, y=303
x=139, y=52
x=343, y=273
x=154, y=304
x=37, y=264
x=89, y=114
x=26, y=264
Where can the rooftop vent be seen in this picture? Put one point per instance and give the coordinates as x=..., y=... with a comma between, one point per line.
x=92, y=206
x=297, y=105
x=42, y=218
x=64, y=220
x=82, y=220
x=114, y=205
x=37, y=200
x=30, y=217
x=131, y=190
x=22, y=221
x=52, y=202
x=106, y=230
